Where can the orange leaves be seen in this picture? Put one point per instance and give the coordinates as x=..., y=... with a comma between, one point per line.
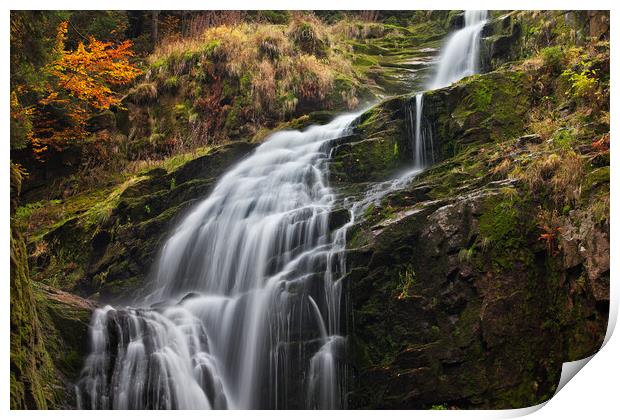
x=601, y=145
x=82, y=83
x=61, y=36
x=88, y=72
x=549, y=239
x=550, y=224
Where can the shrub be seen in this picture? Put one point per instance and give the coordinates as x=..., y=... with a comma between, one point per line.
x=564, y=138
x=583, y=85
x=309, y=35
x=553, y=57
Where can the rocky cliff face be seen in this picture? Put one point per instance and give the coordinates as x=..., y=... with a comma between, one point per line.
x=113, y=248
x=472, y=284
x=49, y=329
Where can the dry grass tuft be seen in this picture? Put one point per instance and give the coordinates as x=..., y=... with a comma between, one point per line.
x=358, y=30
x=557, y=176
x=274, y=69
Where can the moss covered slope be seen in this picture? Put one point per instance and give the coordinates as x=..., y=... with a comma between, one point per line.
x=473, y=283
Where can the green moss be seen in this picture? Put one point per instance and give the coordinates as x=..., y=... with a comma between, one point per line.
x=482, y=95
x=500, y=222
x=32, y=372
x=171, y=84
x=564, y=139
x=492, y=108
x=595, y=193
x=66, y=336
x=370, y=159
x=505, y=233
x=365, y=61
x=370, y=119
x=100, y=212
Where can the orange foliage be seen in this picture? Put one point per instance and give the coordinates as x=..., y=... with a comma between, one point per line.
x=602, y=145
x=81, y=83
x=549, y=236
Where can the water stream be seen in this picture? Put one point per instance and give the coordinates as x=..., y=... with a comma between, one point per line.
x=459, y=58
x=243, y=310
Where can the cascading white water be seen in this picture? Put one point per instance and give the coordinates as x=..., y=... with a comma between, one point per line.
x=459, y=58
x=423, y=146
x=244, y=309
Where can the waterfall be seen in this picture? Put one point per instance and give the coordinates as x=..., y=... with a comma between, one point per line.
x=459, y=58
x=421, y=133
x=244, y=307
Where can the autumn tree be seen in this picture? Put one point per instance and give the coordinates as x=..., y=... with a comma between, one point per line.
x=80, y=83
x=32, y=48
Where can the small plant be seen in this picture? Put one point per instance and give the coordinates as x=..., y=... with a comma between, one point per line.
x=552, y=57
x=583, y=80
x=583, y=84
x=549, y=223
x=564, y=138
x=465, y=254
x=601, y=145
x=41, y=248
x=407, y=281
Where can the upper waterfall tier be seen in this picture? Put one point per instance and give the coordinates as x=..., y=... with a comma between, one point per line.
x=460, y=56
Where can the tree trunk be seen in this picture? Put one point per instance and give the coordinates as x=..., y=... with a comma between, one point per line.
x=155, y=26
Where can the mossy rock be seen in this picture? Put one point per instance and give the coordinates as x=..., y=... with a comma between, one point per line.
x=67, y=320
x=32, y=371
x=371, y=159
x=109, y=249
x=483, y=108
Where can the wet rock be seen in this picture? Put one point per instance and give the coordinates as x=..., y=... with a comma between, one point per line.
x=528, y=139
x=456, y=21
x=338, y=218
x=103, y=121
x=116, y=253
x=476, y=313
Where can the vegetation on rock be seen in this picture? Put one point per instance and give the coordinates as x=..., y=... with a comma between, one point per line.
x=503, y=236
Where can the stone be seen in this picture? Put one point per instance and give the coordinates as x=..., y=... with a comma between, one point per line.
x=105, y=120
x=528, y=139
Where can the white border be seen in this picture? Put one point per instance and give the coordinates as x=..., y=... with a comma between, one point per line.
x=592, y=394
